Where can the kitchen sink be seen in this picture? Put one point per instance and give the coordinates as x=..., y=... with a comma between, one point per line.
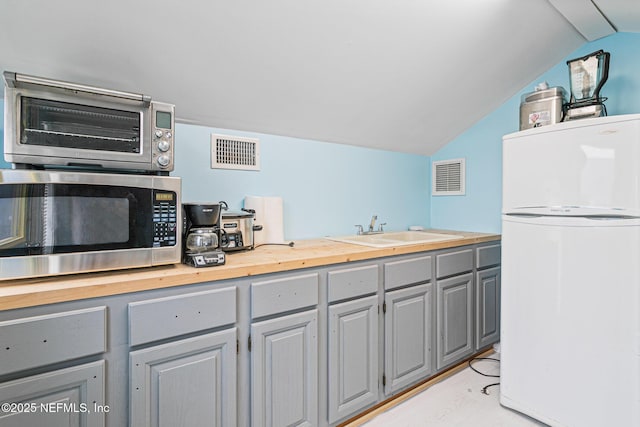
x=395, y=238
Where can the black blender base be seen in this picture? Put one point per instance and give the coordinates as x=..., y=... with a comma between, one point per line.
x=205, y=259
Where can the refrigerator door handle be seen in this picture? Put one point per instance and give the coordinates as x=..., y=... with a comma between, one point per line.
x=592, y=217
x=525, y=215
x=573, y=221
x=572, y=211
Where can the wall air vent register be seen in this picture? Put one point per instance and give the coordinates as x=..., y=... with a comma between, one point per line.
x=235, y=152
x=448, y=178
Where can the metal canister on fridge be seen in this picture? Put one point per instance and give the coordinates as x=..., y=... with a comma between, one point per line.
x=542, y=107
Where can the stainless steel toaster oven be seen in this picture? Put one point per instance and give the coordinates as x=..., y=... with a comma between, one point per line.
x=55, y=123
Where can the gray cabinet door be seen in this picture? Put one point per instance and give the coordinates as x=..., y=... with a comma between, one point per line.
x=353, y=357
x=284, y=371
x=191, y=382
x=454, y=314
x=487, y=307
x=62, y=398
x=407, y=347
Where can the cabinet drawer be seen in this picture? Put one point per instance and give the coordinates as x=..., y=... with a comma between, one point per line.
x=452, y=263
x=281, y=295
x=41, y=340
x=487, y=256
x=169, y=317
x=352, y=282
x=407, y=272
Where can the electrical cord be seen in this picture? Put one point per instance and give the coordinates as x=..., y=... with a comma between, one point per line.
x=485, y=388
x=290, y=244
x=277, y=244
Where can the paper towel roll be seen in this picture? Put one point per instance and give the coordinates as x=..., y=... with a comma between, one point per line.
x=269, y=214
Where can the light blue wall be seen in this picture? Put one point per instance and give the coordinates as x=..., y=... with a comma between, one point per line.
x=479, y=209
x=326, y=188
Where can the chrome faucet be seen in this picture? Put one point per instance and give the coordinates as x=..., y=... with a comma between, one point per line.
x=372, y=223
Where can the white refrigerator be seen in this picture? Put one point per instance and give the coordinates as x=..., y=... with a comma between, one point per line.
x=570, y=339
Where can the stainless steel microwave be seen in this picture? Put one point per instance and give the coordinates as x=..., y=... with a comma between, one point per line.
x=60, y=222
x=55, y=123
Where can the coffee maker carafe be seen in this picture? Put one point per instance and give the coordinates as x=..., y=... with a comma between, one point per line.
x=202, y=234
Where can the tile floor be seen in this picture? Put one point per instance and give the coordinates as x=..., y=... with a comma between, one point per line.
x=457, y=402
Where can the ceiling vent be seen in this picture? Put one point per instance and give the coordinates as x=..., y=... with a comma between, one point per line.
x=235, y=152
x=448, y=178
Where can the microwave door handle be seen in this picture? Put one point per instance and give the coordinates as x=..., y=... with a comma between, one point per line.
x=11, y=78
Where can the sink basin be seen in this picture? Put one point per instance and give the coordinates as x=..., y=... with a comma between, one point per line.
x=395, y=238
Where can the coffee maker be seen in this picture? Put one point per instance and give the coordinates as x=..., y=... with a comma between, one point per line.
x=201, y=247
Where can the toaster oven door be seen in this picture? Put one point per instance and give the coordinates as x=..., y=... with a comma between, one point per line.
x=48, y=123
x=61, y=128
x=56, y=129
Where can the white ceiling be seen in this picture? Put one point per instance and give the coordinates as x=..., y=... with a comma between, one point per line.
x=406, y=75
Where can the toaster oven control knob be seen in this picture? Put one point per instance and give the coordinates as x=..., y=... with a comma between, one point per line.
x=158, y=133
x=164, y=145
x=163, y=160
x=167, y=134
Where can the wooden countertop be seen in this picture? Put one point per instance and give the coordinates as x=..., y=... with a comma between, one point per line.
x=264, y=259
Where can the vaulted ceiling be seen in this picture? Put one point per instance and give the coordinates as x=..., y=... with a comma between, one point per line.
x=406, y=75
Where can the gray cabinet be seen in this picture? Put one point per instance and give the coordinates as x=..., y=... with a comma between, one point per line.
x=353, y=324
x=284, y=371
x=284, y=351
x=487, y=294
x=189, y=382
x=353, y=356
x=454, y=319
x=487, y=307
x=407, y=336
x=269, y=350
x=408, y=322
x=70, y=397
x=454, y=306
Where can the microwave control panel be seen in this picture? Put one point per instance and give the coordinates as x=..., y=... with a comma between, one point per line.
x=165, y=219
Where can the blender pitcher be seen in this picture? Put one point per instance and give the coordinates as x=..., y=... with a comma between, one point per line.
x=587, y=76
